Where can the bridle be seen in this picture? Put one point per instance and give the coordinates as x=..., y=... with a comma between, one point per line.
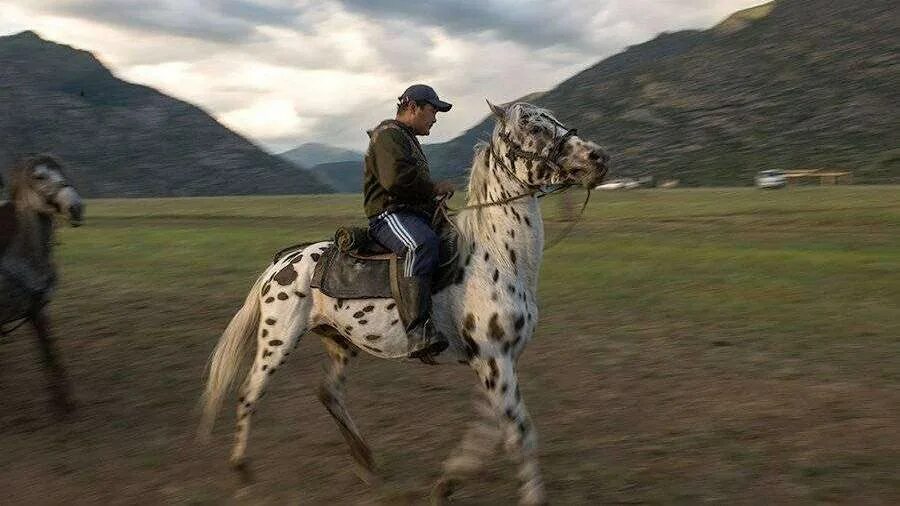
x=515, y=151
x=552, y=156
x=537, y=191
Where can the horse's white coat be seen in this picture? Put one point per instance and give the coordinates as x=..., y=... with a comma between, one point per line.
x=489, y=316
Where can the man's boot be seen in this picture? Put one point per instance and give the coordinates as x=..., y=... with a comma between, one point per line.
x=424, y=339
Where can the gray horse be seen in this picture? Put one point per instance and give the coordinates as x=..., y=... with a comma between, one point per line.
x=38, y=191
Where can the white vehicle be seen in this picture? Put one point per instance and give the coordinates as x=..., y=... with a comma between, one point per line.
x=770, y=179
x=619, y=184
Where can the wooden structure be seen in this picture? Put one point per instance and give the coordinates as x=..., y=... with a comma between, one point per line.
x=825, y=176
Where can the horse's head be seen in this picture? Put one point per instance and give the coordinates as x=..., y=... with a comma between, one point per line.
x=541, y=151
x=39, y=182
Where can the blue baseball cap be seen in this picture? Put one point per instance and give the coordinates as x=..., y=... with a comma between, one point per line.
x=426, y=93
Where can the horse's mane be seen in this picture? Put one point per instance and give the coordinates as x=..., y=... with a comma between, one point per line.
x=21, y=171
x=475, y=224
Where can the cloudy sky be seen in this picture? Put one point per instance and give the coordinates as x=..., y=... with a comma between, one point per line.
x=284, y=72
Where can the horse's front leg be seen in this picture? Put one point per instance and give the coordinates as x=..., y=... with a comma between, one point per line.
x=505, y=408
x=58, y=382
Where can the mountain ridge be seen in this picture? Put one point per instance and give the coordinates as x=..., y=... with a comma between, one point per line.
x=121, y=139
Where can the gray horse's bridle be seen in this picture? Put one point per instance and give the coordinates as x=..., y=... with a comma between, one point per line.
x=515, y=151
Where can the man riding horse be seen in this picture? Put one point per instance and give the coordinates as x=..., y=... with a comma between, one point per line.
x=399, y=203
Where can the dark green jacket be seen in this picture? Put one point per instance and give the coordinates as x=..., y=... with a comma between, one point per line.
x=396, y=174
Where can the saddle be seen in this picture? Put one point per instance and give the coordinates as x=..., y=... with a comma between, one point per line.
x=364, y=269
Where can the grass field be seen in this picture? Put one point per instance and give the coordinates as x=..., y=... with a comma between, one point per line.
x=731, y=346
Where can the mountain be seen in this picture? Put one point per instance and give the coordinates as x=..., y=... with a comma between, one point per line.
x=120, y=139
x=344, y=177
x=314, y=153
x=787, y=84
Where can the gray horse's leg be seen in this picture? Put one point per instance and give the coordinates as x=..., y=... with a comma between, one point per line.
x=505, y=407
x=58, y=382
x=331, y=394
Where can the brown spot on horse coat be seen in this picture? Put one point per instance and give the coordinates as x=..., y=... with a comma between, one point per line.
x=390, y=306
x=496, y=275
x=495, y=371
x=299, y=257
x=269, y=299
x=315, y=257
x=495, y=331
x=359, y=314
x=286, y=275
x=369, y=309
x=266, y=288
x=512, y=256
x=469, y=324
x=372, y=337
x=363, y=322
x=519, y=323
x=271, y=321
x=276, y=342
x=299, y=294
x=265, y=332
x=282, y=296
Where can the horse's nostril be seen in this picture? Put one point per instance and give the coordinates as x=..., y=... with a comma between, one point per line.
x=594, y=156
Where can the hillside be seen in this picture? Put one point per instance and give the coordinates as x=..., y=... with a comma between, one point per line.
x=792, y=83
x=315, y=153
x=344, y=177
x=121, y=139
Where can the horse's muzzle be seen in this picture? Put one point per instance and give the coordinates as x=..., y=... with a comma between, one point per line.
x=76, y=213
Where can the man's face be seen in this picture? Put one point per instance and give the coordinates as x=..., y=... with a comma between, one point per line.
x=423, y=118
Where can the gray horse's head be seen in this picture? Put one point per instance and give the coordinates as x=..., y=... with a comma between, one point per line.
x=39, y=182
x=542, y=151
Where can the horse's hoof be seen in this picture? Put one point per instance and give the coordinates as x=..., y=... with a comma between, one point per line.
x=442, y=490
x=369, y=476
x=243, y=470
x=533, y=496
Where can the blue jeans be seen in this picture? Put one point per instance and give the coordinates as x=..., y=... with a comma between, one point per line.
x=408, y=235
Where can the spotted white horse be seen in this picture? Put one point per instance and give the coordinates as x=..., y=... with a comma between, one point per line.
x=489, y=314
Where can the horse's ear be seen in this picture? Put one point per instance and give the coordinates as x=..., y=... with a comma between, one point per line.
x=497, y=111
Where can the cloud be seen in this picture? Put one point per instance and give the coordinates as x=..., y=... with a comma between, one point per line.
x=220, y=21
x=289, y=71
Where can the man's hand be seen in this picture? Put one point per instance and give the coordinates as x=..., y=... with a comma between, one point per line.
x=444, y=187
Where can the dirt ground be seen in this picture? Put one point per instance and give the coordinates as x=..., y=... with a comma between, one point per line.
x=633, y=405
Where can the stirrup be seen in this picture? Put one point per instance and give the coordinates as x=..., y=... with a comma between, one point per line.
x=427, y=354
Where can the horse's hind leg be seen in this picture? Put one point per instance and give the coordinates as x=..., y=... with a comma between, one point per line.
x=331, y=393
x=279, y=332
x=58, y=382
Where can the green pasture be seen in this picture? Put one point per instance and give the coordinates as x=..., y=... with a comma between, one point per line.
x=694, y=345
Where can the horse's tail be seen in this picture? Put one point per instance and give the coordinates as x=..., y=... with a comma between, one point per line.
x=225, y=361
